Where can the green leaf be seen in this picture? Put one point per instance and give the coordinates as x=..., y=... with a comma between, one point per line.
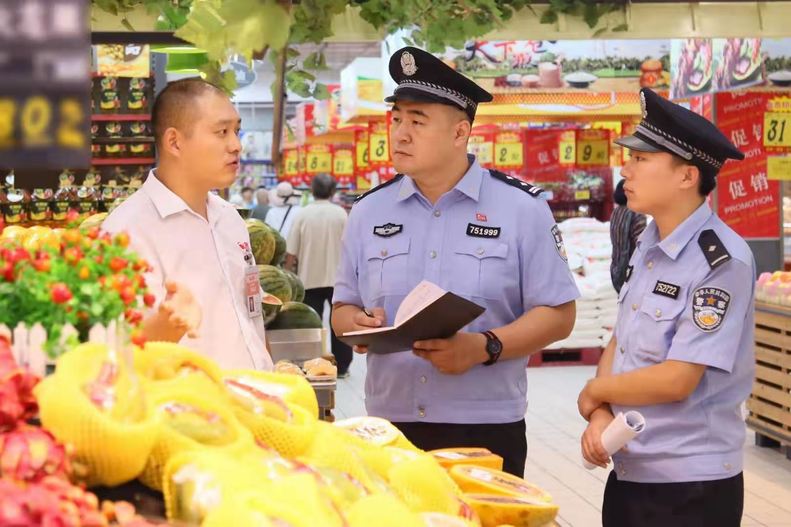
x=321, y=92
x=590, y=13
x=600, y=31
x=126, y=24
x=315, y=61
x=549, y=16
x=621, y=27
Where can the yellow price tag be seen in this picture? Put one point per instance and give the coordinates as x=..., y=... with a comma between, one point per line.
x=777, y=129
x=362, y=154
x=291, y=164
x=594, y=152
x=485, y=153
x=778, y=168
x=568, y=151
x=582, y=195
x=343, y=164
x=379, y=148
x=319, y=162
x=509, y=155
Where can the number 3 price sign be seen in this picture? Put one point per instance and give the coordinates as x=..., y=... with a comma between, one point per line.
x=45, y=93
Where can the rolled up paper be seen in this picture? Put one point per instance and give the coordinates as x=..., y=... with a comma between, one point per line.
x=622, y=429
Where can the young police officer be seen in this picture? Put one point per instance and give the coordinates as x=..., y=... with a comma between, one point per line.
x=478, y=233
x=682, y=350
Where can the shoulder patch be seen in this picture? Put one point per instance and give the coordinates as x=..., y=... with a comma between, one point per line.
x=379, y=187
x=713, y=249
x=518, y=183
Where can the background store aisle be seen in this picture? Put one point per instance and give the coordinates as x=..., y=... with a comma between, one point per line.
x=553, y=454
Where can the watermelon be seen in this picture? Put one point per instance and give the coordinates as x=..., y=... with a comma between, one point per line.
x=296, y=315
x=271, y=307
x=280, y=247
x=275, y=282
x=262, y=241
x=297, y=289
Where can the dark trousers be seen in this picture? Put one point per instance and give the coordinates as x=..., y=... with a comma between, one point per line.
x=506, y=440
x=315, y=298
x=691, y=504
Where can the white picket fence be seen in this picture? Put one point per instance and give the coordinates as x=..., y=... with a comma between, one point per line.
x=27, y=343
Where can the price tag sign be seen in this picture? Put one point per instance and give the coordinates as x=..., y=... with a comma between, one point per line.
x=509, y=155
x=318, y=162
x=777, y=129
x=581, y=195
x=567, y=150
x=485, y=153
x=291, y=162
x=379, y=148
x=778, y=168
x=343, y=163
x=593, y=152
x=45, y=93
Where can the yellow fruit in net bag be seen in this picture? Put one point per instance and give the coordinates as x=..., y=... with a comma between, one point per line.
x=294, y=501
x=438, y=519
x=290, y=437
x=189, y=421
x=197, y=481
x=426, y=487
x=165, y=361
x=480, y=480
x=483, y=457
x=95, y=405
x=382, y=510
x=497, y=510
x=377, y=431
x=293, y=389
x=335, y=448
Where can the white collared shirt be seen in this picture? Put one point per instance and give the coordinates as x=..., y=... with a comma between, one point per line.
x=205, y=256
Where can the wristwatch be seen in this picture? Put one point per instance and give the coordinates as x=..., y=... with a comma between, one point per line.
x=493, y=347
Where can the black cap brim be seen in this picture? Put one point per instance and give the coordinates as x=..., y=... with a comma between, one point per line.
x=633, y=142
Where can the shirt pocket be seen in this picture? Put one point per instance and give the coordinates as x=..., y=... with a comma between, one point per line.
x=386, y=267
x=481, y=268
x=656, y=327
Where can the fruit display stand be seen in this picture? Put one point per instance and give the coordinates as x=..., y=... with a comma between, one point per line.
x=770, y=401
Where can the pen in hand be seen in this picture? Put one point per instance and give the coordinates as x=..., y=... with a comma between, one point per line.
x=368, y=312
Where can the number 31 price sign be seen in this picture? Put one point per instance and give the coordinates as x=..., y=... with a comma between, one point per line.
x=45, y=92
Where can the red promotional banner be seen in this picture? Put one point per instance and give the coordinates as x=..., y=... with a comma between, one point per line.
x=746, y=200
x=542, y=156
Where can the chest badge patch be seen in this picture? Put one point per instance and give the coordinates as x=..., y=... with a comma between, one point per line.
x=559, y=243
x=667, y=289
x=482, y=231
x=709, y=306
x=387, y=230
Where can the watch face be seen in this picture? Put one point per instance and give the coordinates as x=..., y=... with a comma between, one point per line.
x=493, y=346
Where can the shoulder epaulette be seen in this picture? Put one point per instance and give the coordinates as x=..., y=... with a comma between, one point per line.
x=379, y=187
x=518, y=183
x=713, y=249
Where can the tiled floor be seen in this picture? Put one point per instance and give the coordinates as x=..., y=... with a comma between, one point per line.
x=553, y=431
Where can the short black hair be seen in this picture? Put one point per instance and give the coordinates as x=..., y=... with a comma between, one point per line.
x=246, y=189
x=172, y=106
x=708, y=175
x=619, y=196
x=323, y=186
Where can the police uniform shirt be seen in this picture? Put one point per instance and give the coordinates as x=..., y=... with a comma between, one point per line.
x=490, y=240
x=689, y=298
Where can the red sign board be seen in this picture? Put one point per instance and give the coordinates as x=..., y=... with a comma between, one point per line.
x=542, y=156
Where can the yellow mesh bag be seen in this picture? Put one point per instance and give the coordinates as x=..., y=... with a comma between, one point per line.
x=426, y=487
x=293, y=389
x=289, y=439
x=164, y=361
x=377, y=431
x=382, y=510
x=296, y=501
x=197, y=481
x=438, y=519
x=191, y=420
x=112, y=444
x=336, y=448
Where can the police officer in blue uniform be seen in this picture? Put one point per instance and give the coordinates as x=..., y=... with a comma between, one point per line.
x=682, y=351
x=478, y=233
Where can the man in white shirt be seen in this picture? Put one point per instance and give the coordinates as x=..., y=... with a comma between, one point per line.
x=284, y=205
x=314, y=249
x=193, y=237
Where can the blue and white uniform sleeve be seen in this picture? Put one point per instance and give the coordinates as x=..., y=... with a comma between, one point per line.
x=347, y=288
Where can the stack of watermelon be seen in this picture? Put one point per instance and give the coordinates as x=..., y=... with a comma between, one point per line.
x=284, y=293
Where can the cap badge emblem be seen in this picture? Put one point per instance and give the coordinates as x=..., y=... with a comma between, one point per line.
x=643, y=105
x=408, y=65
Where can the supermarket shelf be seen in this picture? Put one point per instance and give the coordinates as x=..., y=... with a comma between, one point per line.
x=121, y=117
x=123, y=161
